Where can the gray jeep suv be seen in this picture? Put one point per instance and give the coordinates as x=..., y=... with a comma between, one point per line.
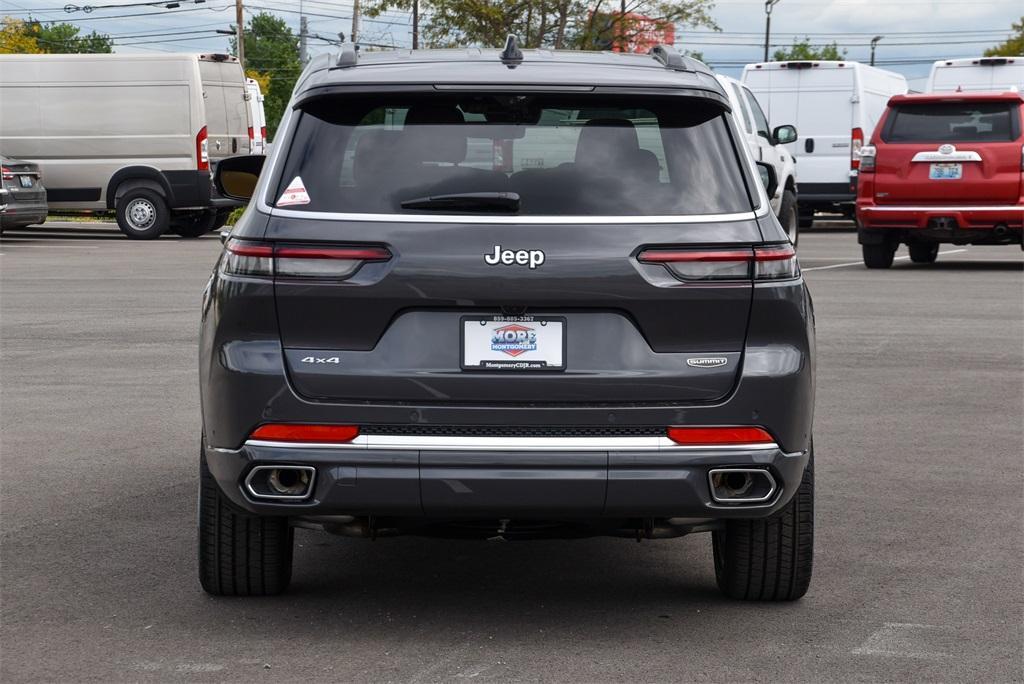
x=506, y=294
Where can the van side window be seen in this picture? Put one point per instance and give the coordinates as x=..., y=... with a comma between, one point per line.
x=759, y=117
x=748, y=125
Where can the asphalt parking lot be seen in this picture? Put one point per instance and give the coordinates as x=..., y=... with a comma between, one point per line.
x=918, y=437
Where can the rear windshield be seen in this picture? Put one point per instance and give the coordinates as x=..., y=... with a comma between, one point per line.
x=514, y=154
x=953, y=122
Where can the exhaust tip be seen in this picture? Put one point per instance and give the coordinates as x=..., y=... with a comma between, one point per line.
x=281, y=482
x=741, y=485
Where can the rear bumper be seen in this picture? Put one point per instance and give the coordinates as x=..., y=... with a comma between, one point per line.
x=828, y=193
x=23, y=214
x=871, y=215
x=610, y=478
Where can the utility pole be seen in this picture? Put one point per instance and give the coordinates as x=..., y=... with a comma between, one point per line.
x=355, y=22
x=303, y=35
x=768, y=4
x=240, y=27
x=415, y=24
x=874, y=42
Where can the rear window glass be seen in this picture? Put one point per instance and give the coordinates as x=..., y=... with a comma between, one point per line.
x=519, y=154
x=953, y=122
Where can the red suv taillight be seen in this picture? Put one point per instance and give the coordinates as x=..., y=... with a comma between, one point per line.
x=867, y=158
x=772, y=262
x=202, y=152
x=250, y=258
x=856, y=143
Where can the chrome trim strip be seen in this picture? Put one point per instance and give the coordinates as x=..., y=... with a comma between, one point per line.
x=281, y=497
x=455, y=443
x=966, y=155
x=1017, y=207
x=747, y=500
x=519, y=220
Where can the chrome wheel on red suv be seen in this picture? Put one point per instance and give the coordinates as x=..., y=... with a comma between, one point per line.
x=511, y=295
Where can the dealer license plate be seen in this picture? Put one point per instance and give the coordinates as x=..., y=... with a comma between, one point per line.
x=518, y=343
x=946, y=171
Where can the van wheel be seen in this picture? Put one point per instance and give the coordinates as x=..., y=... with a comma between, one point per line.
x=788, y=216
x=769, y=559
x=806, y=217
x=194, y=225
x=878, y=256
x=240, y=554
x=142, y=214
x=923, y=252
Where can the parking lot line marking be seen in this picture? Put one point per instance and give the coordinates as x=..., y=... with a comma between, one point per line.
x=861, y=263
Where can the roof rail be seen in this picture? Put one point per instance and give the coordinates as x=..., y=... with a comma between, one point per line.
x=669, y=56
x=511, y=53
x=349, y=55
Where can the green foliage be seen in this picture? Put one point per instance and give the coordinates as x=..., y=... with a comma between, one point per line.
x=271, y=48
x=803, y=49
x=64, y=39
x=1014, y=45
x=577, y=24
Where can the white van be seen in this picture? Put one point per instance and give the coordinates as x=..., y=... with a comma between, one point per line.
x=132, y=133
x=834, y=106
x=977, y=73
x=767, y=144
x=257, y=117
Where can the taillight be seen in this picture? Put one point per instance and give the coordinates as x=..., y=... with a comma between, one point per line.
x=250, y=258
x=293, y=432
x=7, y=173
x=856, y=143
x=263, y=133
x=202, y=151
x=760, y=263
x=867, y=158
x=719, y=436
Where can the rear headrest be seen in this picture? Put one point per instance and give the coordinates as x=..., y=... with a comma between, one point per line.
x=602, y=142
x=434, y=134
x=373, y=153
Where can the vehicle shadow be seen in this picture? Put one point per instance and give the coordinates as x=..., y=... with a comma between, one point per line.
x=51, y=232
x=959, y=265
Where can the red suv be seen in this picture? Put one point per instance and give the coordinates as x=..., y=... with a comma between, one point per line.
x=942, y=167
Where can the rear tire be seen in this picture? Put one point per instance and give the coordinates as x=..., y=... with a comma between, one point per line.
x=878, y=256
x=788, y=216
x=142, y=214
x=240, y=554
x=805, y=217
x=923, y=252
x=194, y=225
x=769, y=559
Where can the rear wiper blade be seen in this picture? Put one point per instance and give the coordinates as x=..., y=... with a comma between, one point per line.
x=469, y=201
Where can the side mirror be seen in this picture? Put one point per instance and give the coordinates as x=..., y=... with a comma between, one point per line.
x=783, y=135
x=769, y=179
x=235, y=177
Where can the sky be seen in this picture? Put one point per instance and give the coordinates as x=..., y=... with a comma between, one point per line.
x=915, y=32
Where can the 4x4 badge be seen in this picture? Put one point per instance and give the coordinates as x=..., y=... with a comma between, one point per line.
x=707, y=361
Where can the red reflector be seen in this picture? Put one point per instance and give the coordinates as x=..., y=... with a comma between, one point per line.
x=282, y=432
x=667, y=256
x=250, y=249
x=360, y=253
x=694, y=436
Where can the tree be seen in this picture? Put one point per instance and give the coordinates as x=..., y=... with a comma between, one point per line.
x=804, y=50
x=14, y=40
x=579, y=24
x=64, y=39
x=1014, y=45
x=272, y=51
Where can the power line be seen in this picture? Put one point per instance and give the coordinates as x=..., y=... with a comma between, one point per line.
x=77, y=20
